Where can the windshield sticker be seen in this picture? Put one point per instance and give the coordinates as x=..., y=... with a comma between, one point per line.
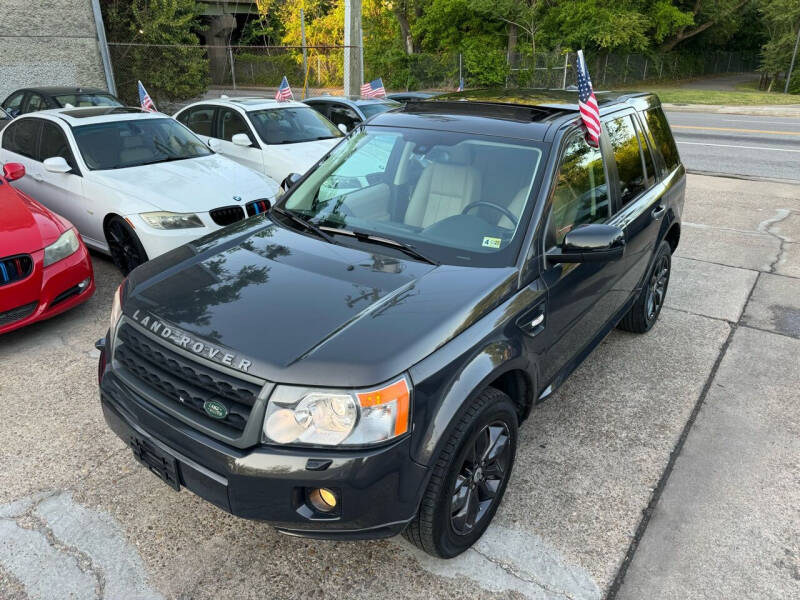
x=491, y=242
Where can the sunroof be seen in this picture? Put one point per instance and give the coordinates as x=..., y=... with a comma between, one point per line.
x=99, y=111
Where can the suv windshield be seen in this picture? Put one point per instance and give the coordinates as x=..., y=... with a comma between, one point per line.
x=292, y=125
x=77, y=100
x=456, y=198
x=370, y=109
x=121, y=144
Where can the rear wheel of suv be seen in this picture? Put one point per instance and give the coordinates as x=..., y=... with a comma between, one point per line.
x=469, y=478
x=644, y=312
x=126, y=250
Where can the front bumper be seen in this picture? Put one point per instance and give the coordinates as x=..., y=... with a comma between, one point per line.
x=53, y=289
x=379, y=489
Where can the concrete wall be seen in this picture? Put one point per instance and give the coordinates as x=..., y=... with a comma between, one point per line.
x=48, y=42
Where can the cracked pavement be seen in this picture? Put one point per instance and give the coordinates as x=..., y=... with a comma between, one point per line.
x=670, y=459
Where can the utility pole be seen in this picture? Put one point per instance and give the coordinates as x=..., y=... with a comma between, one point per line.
x=353, y=61
x=791, y=65
x=305, y=52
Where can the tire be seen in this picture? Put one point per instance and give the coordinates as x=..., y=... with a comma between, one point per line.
x=441, y=528
x=644, y=312
x=126, y=250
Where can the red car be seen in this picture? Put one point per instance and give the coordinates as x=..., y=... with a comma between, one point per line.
x=44, y=266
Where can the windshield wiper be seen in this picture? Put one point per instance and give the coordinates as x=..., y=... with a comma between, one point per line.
x=363, y=236
x=305, y=224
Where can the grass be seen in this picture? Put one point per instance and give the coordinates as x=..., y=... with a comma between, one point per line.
x=742, y=96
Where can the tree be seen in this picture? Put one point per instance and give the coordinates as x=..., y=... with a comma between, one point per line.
x=168, y=73
x=704, y=16
x=782, y=20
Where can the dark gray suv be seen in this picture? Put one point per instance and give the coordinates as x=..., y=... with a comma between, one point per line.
x=355, y=364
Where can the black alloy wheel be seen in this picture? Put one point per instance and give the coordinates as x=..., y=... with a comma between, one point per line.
x=657, y=288
x=126, y=250
x=468, y=478
x=645, y=310
x=482, y=472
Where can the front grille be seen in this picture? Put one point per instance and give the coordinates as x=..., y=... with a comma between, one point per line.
x=18, y=313
x=227, y=215
x=14, y=268
x=256, y=207
x=179, y=381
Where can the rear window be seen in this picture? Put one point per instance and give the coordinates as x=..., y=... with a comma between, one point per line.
x=659, y=127
x=87, y=99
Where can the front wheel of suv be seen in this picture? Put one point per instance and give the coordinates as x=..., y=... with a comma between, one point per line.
x=469, y=478
x=644, y=312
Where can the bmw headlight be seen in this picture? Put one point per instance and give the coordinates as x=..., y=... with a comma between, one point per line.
x=171, y=220
x=309, y=416
x=66, y=245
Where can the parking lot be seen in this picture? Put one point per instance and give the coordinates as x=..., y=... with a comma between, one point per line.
x=672, y=458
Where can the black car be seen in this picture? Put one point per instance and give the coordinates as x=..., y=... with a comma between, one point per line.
x=350, y=111
x=411, y=96
x=356, y=364
x=5, y=118
x=33, y=99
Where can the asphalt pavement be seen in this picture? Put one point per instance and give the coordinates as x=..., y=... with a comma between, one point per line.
x=740, y=145
x=665, y=467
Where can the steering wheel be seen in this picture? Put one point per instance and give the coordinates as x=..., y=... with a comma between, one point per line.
x=497, y=207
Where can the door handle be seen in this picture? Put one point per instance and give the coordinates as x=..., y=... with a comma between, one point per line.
x=659, y=211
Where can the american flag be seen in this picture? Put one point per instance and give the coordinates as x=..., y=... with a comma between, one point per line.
x=373, y=89
x=145, y=100
x=587, y=102
x=284, y=92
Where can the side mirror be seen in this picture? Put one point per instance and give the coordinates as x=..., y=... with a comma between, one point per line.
x=342, y=127
x=13, y=171
x=596, y=242
x=56, y=164
x=13, y=112
x=242, y=139
x=290, y=181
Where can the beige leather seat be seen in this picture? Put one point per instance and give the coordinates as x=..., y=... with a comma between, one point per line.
x=444, y=189
x=516, y=207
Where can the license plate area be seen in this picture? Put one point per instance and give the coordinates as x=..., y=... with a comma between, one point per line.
x=164, y=466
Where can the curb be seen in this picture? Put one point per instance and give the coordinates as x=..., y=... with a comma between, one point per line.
x=789, y=110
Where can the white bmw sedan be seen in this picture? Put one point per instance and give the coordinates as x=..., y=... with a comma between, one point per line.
x=135, y=184
x=274, y=138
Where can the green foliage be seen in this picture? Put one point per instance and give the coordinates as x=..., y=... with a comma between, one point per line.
x=782, y=19
x=169, y=74
x=483, y=66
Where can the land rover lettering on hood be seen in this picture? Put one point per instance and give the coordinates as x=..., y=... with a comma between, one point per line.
x=355, y=361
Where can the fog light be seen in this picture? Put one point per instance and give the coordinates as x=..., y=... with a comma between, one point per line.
x=323, y=499
x=84, y=284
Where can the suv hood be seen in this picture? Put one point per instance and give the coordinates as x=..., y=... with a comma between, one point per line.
x=299, y=310
x=191, y=185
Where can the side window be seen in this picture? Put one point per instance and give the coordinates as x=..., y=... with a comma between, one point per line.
x=199, y=119
x=35, y=102
x=581, y=193
x=231, y=123
x=54, y=143
x=650, y=171
x=344, y=114
x=321, y=107
x=14, y=104
x=659, y=127
x=628, y=156
x=22, y=136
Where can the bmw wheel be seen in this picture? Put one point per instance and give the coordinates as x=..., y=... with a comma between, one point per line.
x=469, y=478
x=126, y=250
x=644, y=312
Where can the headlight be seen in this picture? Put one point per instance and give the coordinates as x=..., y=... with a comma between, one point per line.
x=170, y=220
x=308, y=416
x=116, y=311
x=66, y=245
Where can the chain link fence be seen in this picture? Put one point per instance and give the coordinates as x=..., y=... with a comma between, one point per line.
x=176, y=74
